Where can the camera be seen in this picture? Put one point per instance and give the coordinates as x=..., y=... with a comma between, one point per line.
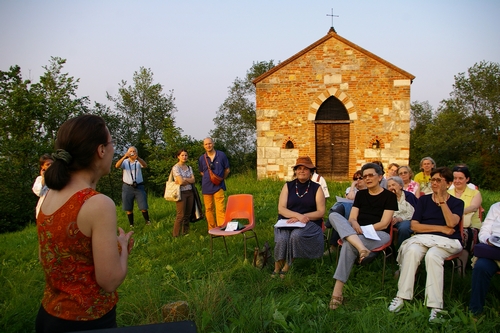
x=134, y=184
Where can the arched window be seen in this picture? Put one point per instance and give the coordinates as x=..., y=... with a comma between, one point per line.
x=332, y=109
x=289, y=145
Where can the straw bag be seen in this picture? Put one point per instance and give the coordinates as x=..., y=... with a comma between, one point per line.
x=172, y=190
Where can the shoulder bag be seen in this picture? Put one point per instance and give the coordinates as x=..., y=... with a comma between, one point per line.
x=172, y=190
x=216, y=180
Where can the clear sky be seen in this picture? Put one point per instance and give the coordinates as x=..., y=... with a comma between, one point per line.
x=198, y=47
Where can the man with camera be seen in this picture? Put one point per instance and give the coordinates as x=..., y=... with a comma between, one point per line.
x=133, y=185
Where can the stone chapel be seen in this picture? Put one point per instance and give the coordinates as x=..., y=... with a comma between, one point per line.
x=336, y=102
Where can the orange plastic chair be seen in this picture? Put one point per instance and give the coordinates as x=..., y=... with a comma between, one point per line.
x=239, y=206
x=386, y=249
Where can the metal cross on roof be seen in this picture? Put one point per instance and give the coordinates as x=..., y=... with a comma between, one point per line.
x=332, y=18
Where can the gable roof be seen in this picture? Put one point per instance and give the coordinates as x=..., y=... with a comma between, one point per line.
x=332, y=34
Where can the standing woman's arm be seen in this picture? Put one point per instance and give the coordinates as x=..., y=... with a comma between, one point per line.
x=98, y=216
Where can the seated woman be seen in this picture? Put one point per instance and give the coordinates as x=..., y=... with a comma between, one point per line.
x=427, y=164
x=344, y=207
x=301, y=200
x=408, y=184
x=373, y=206
x=406, y=207
x=484, y=269
x=392, y=170
x=472, y=202
x=436, y=223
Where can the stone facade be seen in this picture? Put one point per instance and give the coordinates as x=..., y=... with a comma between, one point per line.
x=375, y=93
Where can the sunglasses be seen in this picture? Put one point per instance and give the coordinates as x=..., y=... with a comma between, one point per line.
x=436, y=180
x=357, y=178
x=369, y=175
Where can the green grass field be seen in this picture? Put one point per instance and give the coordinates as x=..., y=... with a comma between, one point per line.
x=227, y=294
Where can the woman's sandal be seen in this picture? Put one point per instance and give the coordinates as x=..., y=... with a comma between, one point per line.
x=366, y=257
x=335, y=302
x=283, y=274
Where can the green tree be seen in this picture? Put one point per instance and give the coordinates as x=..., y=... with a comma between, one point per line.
x=18, y=149
x=30, y=115
x=465, y=129
x=144, y=109
x=421, y=117
x=235, y=121
x=58, y=101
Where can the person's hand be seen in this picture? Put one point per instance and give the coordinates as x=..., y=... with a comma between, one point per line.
x=448, y=231
x=125, y=239
x=355, y=225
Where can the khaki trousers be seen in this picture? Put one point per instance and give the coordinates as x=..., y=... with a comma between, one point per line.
x=217, y=200
x=435, y=249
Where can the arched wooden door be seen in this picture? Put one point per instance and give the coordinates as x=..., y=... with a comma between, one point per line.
x=332, y=139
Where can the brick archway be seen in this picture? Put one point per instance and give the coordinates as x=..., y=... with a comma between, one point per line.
x=332, y=132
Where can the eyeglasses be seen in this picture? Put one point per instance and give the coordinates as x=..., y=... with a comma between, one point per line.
x=436, y=180
x=113, y=142
x=369, y=175
x=358, y=178
x=403, y=173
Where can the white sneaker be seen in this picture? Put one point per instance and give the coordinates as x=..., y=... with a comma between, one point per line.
x=396, y=304
x=435, y=314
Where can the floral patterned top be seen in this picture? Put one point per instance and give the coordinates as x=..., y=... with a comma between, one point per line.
x=178, y=171
x=411, y=187
x=71, y=290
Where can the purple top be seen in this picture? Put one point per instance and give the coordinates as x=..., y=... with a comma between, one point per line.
x=427, y=212
x=219, y=164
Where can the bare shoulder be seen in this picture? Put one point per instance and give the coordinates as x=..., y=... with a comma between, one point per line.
x=98, y=212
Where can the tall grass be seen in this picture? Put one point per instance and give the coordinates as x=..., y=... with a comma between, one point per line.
x=227, y=294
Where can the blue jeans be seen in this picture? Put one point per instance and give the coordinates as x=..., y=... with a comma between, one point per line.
x=404, y=231
x=484, y=270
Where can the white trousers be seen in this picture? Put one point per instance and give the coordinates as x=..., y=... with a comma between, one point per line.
x=435, y=249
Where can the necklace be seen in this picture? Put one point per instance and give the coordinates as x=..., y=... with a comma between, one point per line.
x=297, y=188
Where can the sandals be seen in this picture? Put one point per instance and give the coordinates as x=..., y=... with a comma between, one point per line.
x=335, y=302
x=280, y=273
x=366, y=257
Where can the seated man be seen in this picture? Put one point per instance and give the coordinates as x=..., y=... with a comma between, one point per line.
x=436, y=224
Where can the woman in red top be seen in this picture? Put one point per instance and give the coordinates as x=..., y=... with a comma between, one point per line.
x=80, y=251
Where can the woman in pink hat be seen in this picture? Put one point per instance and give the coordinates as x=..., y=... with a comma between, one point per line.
x=301, y=200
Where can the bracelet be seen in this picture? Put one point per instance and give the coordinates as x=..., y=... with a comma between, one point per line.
x=442, y=203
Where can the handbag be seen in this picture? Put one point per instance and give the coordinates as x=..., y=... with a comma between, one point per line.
x=172, y=189
x=216, y=180
x=482, y=250
x=261, y=257
x=196, y=212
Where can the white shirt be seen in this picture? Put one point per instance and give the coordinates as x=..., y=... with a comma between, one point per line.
x=322, y=182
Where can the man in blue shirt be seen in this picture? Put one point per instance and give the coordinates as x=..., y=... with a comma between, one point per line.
x=215, y=162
